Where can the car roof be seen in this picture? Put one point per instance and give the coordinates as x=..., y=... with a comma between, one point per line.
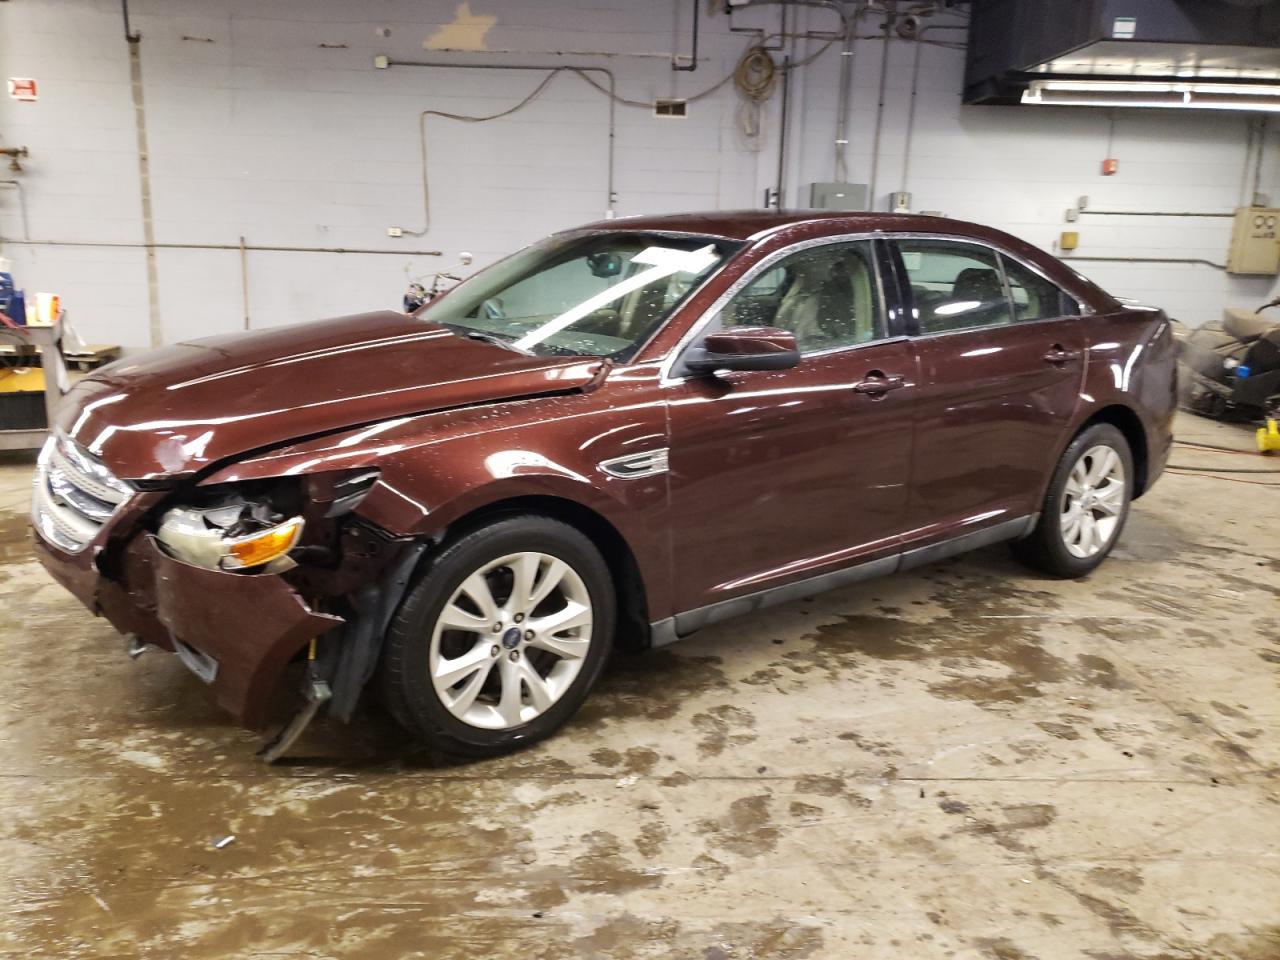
x=749, y=224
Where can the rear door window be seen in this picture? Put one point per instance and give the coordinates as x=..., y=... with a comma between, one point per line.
x=1034, y=297
x=955, y=286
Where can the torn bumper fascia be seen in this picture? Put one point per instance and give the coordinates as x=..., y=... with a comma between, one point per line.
x=251, y=625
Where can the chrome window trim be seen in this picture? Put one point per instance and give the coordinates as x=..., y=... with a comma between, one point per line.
x=991, y=326
x=1084, y=309
x=696, y=328
x=753, y=273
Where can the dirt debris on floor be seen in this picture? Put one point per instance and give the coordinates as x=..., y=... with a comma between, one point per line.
x=967, y=761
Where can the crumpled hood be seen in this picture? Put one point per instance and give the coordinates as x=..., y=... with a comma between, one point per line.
x=178, y=409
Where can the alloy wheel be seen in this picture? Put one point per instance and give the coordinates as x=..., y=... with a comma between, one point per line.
x=1093, y=501
x=510, y=640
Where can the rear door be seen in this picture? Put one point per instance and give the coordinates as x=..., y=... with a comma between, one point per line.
x=1001, y=365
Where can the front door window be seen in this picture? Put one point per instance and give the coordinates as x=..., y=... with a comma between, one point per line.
x=826, y=295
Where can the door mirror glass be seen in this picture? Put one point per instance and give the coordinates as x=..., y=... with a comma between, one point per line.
x=744, y=348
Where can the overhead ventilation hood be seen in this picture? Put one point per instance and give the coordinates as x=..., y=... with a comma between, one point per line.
x=1185, y=54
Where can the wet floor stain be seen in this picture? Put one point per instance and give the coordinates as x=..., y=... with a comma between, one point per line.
x=15, y=537
x=965, y=762
x=746, y=829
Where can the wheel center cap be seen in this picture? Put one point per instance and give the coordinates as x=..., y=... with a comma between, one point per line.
x=511, y=639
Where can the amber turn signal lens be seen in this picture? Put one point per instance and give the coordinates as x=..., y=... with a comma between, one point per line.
x=264, y=546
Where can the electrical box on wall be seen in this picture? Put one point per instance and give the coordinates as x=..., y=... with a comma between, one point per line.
x=838, y=196
x=1255, y=245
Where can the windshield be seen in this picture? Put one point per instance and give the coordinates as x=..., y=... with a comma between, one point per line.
x=588, y=294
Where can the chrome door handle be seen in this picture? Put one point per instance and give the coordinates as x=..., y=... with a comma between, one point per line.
x=1057, y=354
x=877, y=384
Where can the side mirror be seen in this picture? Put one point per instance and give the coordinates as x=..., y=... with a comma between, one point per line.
x=744, y=348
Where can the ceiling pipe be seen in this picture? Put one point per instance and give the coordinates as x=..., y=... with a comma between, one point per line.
x=847, y=47
x=1191, y=260
x=1257, y=168
x=251, y=247
x=693, y=57
x=22, y=206
x=779, y=193
x=890, y=17
x=915, y=96
x=580, y=71
x=129, y=35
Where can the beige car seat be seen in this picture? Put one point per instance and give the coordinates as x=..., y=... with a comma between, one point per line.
x=818, y=306
x=1245, y=325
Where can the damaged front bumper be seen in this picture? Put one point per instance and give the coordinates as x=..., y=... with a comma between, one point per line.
x=236, y=631
x=218, y=575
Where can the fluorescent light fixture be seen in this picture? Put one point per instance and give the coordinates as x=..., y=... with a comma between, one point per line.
x=1137, y=93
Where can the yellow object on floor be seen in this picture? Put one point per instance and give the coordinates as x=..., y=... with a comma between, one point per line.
x=1269, y=436
x=22, y=380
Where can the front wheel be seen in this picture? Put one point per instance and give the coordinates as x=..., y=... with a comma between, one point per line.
x=501, y=637
x=1085, y=507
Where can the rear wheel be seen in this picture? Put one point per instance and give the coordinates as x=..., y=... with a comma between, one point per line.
x=501, y=637
x=1085, y=507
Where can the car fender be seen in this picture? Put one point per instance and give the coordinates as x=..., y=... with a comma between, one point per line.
x=1129, y=364
x=437, y=469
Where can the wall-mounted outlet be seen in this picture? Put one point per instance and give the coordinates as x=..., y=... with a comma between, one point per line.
x=395, y=231
x=381, y=61
x=1072, y=215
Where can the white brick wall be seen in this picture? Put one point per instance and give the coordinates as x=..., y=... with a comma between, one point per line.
x=263, y=134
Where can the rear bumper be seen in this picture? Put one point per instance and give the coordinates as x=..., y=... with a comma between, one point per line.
x=250, y=625
x=1159, y=448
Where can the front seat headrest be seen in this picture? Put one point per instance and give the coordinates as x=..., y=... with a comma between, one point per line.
x=977, y=283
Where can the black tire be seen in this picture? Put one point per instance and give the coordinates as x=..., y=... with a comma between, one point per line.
x=1045, y=549
x=406, y=684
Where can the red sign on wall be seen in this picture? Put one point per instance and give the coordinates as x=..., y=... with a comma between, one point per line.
x=23, y=88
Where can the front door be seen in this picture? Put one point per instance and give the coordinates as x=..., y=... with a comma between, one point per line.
x=1001, y=361
x=776, y=476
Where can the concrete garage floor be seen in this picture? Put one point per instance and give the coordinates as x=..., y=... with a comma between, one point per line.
x=967, y=761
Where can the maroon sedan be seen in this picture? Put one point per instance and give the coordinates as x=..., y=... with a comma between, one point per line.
x=616, y=436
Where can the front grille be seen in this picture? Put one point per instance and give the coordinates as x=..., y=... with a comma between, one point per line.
x=74, y=495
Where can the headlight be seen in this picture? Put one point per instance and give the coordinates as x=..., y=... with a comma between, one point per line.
x=216, y=537
x=254, y=524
